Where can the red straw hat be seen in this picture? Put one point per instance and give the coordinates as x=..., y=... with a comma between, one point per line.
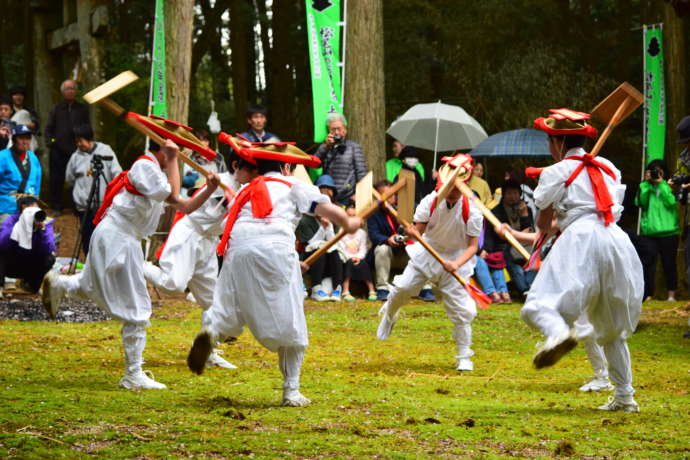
x=285, y=152
x=565, y=121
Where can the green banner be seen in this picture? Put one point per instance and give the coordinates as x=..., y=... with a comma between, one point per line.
x=158, y=102
x=655, y=97
x=323, y=32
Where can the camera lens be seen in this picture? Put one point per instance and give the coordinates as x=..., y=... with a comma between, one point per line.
x=40, y=216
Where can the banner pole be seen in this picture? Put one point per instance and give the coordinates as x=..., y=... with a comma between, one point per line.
x=644, y=117
x=343, y=24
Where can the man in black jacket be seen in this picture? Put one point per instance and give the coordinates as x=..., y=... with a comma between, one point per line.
x=59, y=132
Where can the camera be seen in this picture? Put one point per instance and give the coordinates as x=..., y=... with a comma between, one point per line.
x=337, y=140
x=40, y=216
x=655, y=174
x=680, y=179
x=399, y=239
x=97, y=161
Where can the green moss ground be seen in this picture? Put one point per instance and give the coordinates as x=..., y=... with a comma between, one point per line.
x=395, y=399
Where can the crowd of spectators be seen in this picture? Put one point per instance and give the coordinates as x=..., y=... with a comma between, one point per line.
x=369, y=256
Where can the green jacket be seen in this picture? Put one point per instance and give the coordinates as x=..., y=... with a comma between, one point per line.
x=659, y=211
x=394, y=165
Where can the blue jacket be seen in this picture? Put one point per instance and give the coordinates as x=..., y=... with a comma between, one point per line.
x=379, y=228
x=11, y=178
x=252, y=137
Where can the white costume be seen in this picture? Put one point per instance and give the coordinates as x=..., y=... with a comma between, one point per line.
x=260, y=283
x=78, y=173
x=592, y=269
x=447, y=232
x=113, y=275
x=189, y=257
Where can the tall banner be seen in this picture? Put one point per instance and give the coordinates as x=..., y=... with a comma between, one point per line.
x=157, y=99
x=654, y=93
x=323, y=32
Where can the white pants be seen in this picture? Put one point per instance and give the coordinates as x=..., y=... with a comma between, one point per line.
x=595, y=352
x=592, y=271
x=290, y=362
x=459, y=306
x=188, y=260
x=113, y=275
x=260, y=285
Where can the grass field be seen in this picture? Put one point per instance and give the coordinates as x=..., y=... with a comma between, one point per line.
x=395, y=399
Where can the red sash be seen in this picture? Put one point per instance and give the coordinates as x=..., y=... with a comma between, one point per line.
x=256, y=192
x=602, y=197
x=114, y=187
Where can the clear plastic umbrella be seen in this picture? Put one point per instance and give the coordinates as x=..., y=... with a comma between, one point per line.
x=438, y=127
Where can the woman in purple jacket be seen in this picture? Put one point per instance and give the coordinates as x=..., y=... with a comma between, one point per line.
x=29, y=264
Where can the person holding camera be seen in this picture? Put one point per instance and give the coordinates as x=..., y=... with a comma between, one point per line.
x=388, y=245
x=20, y=171
x=27, y=245
x=341, y=158
x=659, y=228
x=91, y=159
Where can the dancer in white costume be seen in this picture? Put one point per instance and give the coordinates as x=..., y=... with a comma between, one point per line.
x=593, y=268
x=583, y=329
x=188, y=257
x=113, y=275
x=452, y=227
x=260, y=283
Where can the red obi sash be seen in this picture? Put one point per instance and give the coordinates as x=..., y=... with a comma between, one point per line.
x=256, y=192
x=602, y=197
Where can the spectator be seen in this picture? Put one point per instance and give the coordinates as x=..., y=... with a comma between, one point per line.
x=87, y=160
x=6, y=124
x=354, y=246
x=341, y=158
x=24, y=115
x=479, y=185
x=63, y=117
x=409, y=161
x=191, y=179
x=257, y=116
x=27, y=245
x=388, y=246
x=395, y=164
x=20, y=172
x=314, y=232
x=490, y=265
x=683, y=129
x=659, y=228
x=18, y=95
x=513, y=211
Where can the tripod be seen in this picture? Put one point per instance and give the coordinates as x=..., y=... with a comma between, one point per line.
x=92, y=205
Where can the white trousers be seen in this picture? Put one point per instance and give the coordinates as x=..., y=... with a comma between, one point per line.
x=459, y=306
x=595, y=352
x=188, y=260
x=260, y=286
x=290, y=362
x=592, y=272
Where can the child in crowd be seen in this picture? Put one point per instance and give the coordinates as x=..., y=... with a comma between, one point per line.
x=354, y=246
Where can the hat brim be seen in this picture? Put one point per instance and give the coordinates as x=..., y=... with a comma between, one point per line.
x=541, y=123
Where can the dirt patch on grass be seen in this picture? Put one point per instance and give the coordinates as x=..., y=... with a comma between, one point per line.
x=664, y=316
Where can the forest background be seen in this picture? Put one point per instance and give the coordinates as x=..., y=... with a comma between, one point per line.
x=504, y=62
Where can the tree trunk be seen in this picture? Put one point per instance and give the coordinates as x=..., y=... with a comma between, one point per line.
x=364, y=91
x=242, y=47
x=46, y=79
x=281, y=92
x=91, y=51
x=265, y=41
x=179, y=24
x=676, y=88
